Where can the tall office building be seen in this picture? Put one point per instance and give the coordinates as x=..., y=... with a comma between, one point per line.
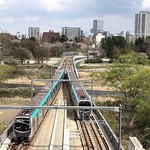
x=71, y=32
x=34, y=32
x=97, y=26
x=142, y=24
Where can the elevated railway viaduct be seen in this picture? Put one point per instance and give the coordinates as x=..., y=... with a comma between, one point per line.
x=29, y=119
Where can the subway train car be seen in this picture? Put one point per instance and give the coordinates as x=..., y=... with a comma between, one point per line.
x=21, y=126
x=27, y=122
x=79, y=95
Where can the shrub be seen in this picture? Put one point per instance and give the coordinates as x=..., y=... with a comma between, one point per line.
x=94, y=61
x=5, y=72
x=21, y=92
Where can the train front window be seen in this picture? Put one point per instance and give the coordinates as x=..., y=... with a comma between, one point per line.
x=83, y=103
x=21, y=124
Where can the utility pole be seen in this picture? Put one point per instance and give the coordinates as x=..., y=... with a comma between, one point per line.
x=120, y=124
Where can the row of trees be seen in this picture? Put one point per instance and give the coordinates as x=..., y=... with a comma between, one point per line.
x=64, y=38
x=30, y=48
x=113, y=47
x=27, y=49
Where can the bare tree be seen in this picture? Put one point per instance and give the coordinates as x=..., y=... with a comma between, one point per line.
x=5, y=42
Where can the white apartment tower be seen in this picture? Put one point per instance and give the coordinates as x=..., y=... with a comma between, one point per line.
x=142, y=24
x=34, y=32
x=71, y=32
x=97, y=26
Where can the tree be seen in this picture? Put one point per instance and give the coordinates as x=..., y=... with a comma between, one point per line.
x=38, y=55
x=77, y=39
x=116, y=54
x=119, y=41
x=127, y=49
x=45, y=53
x=142, y=121
x=114, y=45
x=56, y=51
x=143, y=59
x=130, y=58
x=31, y=45
x=147, y=43
x=134, y=58
x=107, y=44
x=117, y=77
x=54, y=39
x=132, y=81
x=5, y=72
x=138, y=84
x=63, y=38
x=140, y=45
x=33, y=39
x=21, y=53
x=5, y=40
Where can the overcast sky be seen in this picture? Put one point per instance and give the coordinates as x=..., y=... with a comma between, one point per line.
x=118, y=15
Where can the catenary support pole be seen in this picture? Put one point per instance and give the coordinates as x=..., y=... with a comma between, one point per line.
x=120, y=124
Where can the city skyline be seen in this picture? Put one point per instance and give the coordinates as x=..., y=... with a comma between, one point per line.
x=17, y=16
x=98, y=25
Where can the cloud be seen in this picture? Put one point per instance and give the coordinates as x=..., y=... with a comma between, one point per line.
x=116, y=23
x=9, y=20
x=48, y=5
x=71, y=8
x=2, y=2
x=2, y=5
x=31, y=18
x=146, y=4
x=54, y=5
x=54, y=14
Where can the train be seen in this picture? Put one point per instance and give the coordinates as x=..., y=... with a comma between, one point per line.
x=27, y=122
x=79, y=95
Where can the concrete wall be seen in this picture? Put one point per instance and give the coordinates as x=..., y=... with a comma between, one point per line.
x=134, y=144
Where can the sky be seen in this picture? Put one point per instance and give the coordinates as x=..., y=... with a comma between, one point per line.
x=118, y=15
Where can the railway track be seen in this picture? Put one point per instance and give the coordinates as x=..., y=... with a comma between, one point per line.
x=90, y=136
x=21, y=146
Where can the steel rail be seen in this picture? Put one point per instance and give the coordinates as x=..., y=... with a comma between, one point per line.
x=90, y=135
x=115, y=109
x=63, y=80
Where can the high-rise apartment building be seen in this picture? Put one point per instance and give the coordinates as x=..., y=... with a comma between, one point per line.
x=34, y=32
x=97, y=26
x=71, y=32
x=142, y=24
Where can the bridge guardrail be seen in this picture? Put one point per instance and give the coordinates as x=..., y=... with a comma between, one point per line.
x=6, y=133
x=110, y=134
